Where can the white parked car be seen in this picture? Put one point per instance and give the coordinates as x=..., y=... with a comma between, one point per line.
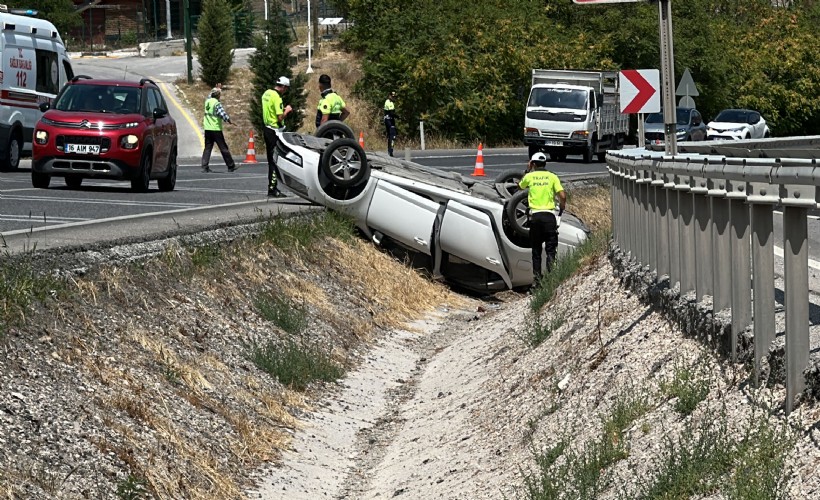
x=473, y=233
x=736, y=124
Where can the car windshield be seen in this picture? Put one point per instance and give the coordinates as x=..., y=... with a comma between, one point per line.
x=683, y=117
x=733, y=116
x=558, y=98
x=99, y=99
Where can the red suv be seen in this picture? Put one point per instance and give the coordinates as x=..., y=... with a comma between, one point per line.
x=106, y=129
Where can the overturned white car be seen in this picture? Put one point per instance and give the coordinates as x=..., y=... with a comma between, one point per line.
x=472, y=233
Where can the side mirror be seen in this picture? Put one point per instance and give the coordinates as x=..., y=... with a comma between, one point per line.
x=44, y=106
x=159, y=113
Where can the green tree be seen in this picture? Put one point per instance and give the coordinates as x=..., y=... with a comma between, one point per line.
x=270, y=61
x=61, y=13
x=216, y=43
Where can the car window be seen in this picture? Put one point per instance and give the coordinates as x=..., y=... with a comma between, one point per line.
x=48, y=72
x=683, y=116
x=160, y=101
x=696, y=118
x=732, y=116
x=754, y=118
x=152, y=102
x=69, y=71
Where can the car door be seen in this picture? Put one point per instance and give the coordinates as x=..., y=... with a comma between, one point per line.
x=167, y=128
x=469, y=233
x=756, y=125
x=153, y=128
x=402, y=215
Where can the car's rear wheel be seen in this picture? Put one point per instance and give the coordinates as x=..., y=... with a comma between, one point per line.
x=14, y=151
x=74, y=182
x=168, y=182
x=40, y=181
x=334, y=129
x=344, y=163
x=517, y=211
x=143, y=179
x=507, y=183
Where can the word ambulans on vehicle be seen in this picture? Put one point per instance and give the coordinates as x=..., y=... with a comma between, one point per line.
x=34, y=68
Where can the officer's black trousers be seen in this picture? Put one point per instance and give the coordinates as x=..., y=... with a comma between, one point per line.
x=543, y=236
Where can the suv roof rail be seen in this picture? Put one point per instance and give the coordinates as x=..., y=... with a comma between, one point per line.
x=143, y=80
x=84, y=77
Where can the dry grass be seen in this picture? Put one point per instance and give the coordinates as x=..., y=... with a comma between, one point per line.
x=592, y=205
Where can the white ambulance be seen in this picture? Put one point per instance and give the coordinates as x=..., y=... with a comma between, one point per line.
x=35, y=67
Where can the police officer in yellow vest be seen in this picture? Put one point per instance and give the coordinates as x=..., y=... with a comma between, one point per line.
x=212, y=123
x=331, y=105
x=390, y=121
x=273, y=116
x=544, y=186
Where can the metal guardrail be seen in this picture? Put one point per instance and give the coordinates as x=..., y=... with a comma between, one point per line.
x=704, y=220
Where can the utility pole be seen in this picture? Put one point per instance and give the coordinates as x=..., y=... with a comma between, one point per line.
x=187, y=15
x=670, y=115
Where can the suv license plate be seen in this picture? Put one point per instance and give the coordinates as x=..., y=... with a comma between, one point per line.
x=553, y=143
x=88, y=149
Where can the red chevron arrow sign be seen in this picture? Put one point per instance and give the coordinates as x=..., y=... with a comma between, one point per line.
x=639, y=90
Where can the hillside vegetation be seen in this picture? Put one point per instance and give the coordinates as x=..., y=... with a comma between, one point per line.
x=464, y=67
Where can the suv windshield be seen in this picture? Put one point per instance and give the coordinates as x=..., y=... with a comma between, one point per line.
x=733, y=116
x=99, y=99
x=683, y=117
x=558, y=98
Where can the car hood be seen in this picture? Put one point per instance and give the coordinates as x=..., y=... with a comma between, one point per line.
x=721, y=126
x=93, y=119
x=653, y=127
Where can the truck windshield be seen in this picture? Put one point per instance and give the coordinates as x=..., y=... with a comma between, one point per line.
x=558, y=98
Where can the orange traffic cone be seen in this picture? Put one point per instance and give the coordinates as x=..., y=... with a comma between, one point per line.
x=479, y=162
x=361, y=139
x=251, y=156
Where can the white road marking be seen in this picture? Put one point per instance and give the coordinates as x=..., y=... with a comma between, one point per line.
x=778, y=252
x=98, y=201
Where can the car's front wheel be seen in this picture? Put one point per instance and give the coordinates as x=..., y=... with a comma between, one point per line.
x=344, y=163
x=14, y=151
x=40, y=181
x=168, y=182
x=517, y=211
x=140, y=183
x=334, y=129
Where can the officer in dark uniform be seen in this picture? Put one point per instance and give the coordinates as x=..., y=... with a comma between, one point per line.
x=390, y=121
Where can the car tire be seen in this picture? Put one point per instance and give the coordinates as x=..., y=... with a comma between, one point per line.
x=74, y=182
x=517, y=212
x=334, y=129
x=168, y=182
x=344, y=163
x=143, y=179
x=40, y=181
x=14, y=152
x=506, y=183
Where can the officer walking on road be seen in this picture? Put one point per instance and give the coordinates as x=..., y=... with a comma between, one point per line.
x=212, y=123
x=331, y=105
x=273, y=116
x=543, y=186
x=390, y=121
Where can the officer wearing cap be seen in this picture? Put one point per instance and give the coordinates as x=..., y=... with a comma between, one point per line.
x=331, y=105
x=390, y=121
x=214, y=115
x=273, y=116
x=544, y=186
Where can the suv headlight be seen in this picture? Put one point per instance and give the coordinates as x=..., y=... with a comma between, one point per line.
x=41, y=137
x=129, y=141
x=681, y=132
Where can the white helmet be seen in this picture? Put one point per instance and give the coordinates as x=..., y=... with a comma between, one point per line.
x=539, y=157
x=284, y=81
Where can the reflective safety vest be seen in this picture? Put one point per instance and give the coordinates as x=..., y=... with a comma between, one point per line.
x=272, y=107
x=211, y=121
x=543, y=185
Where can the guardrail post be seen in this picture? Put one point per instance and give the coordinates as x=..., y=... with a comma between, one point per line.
x=673, y=233
x=662, y=224
x=634, y=216
x=703, y=232
x=654, y=222
x=762, y=196
x=686, y=229
x=740, y=249
x=643, y=218
x=797, y=194
x=721, y=247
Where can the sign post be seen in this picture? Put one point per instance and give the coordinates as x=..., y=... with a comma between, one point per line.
x=667, y=68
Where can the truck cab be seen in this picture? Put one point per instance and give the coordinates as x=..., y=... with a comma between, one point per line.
x=574, y=112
